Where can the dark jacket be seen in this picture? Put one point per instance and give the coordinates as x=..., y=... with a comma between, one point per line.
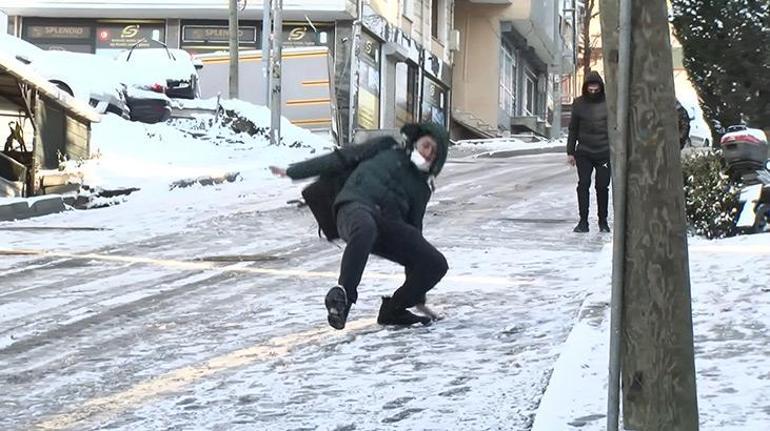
x=684, y=124
x=588, y=128
x=379, y=174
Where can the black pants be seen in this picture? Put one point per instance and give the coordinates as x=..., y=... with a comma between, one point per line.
x=366, y=231
x=585, y=167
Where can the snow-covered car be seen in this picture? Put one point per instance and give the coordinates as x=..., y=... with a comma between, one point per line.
x=172, y=71
x=700, y=133
x=87, y=77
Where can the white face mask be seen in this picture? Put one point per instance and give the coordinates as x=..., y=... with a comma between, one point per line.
x=419, y=161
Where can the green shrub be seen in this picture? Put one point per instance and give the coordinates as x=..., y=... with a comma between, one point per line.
x=711, y=199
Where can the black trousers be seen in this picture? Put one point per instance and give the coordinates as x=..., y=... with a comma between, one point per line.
x=366, y=231
x=585, y=167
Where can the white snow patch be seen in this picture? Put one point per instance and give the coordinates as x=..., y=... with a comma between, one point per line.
x=731, y=308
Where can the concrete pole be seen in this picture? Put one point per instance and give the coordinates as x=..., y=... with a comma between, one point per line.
x=234, y=57
x=267, y=14
x=575, y=44
x=275, y=75
x=556, y=123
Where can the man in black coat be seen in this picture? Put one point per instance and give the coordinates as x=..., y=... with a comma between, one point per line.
x=380, y=210
x=588, y=148
x=684, y=125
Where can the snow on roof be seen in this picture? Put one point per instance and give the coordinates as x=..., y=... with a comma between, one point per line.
x=27, y=75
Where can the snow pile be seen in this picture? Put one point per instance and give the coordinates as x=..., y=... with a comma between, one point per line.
x=187, y=171
x=153, y=156
x=501, y=146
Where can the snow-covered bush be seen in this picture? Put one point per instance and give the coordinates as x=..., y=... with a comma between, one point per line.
x=711, y=199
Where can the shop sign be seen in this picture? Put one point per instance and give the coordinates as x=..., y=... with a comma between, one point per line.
x=58, y=32
x=124, y=36
x=305, y=35
x=215, y=33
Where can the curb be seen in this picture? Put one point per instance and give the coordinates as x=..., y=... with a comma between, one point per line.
x=569, y=400
x=500, y=154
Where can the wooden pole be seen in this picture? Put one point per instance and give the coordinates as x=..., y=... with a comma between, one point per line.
x=658, y=371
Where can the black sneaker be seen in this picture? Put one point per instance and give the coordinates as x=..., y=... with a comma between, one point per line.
x=604, y=227
x=582, y=227
x=391, y=314
x=337, y=307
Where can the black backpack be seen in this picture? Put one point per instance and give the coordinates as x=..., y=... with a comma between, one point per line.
x=320, y=195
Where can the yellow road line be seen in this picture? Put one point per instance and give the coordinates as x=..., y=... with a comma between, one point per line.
x=212, y=266
x=105, y=407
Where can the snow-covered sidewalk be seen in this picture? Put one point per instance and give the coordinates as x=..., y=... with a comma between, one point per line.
x=509, y=147
x=731, y=310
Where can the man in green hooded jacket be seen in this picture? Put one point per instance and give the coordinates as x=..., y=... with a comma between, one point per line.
x=380, y=210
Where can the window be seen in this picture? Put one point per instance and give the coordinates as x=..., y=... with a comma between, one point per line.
x=530, y=94
x=368, y=113
x=434, y=104
x=507, y=80
x=434, y=15
x=406, y=86
x=407, y=8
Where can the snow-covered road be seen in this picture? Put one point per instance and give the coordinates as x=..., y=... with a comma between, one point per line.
x=218, y=323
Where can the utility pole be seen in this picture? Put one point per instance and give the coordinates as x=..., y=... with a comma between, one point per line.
x=234, y=39
x=652, y=345
x=275, y=73
x=575, y=44
x=267, y=7
x=557, y=35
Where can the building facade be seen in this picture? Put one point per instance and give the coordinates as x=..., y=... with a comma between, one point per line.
x=508, y=66
x=392, y=58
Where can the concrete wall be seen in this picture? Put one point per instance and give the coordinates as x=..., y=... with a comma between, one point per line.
x=477, y=63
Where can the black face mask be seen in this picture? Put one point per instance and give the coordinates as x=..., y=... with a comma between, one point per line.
x=595, y=97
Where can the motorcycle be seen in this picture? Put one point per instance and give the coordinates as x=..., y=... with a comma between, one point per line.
x=745, y=152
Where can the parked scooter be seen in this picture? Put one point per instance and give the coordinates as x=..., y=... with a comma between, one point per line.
x=745, y=151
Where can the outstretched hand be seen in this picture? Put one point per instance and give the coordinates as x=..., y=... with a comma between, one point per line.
x=278, y=172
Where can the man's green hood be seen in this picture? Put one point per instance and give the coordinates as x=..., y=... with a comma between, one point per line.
x=413, y=132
